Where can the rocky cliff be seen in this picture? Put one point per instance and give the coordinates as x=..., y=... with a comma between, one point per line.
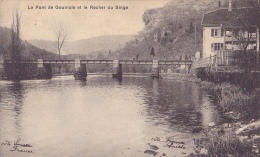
x=174, y=31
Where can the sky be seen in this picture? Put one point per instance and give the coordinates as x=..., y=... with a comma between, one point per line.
x=40, y=23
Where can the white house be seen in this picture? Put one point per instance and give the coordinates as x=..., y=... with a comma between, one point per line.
x=225, y=29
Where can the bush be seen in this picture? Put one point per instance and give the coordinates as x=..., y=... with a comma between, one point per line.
x=223, y=142
x=232, y=98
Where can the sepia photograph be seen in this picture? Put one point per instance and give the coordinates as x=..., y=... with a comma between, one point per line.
x=130, y=78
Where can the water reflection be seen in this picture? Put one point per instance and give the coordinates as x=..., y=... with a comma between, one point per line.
x=177, y=105
x=12, y=103
x=117, y=116
x=209, y=112
x=16, y=90
x=155, y=91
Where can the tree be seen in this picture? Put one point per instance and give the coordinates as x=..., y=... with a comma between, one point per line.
x=191, y=29
x=246, y=34
x=16, y=45
x=256, y=12
x=244, y=39
x=152, y=53
x=61, y=35
x=137, y=56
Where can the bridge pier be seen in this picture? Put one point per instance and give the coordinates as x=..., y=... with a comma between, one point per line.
x=44, y=71
x=117, y=70
x=80, y=72
x=48, y=72
x=155, y=69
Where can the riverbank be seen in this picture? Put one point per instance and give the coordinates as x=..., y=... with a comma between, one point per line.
x=241, y=135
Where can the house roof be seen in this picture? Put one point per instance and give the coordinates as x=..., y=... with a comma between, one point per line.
x=238, y=17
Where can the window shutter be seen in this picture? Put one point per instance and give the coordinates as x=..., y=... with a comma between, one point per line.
x=212, y=32
x=219, y=33
x=212, y=46
x=222, y=32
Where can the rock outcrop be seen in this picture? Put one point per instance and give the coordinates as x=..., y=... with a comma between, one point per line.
x=170, y=30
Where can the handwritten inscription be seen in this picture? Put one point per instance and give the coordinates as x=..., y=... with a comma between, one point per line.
x=170, y=142
x=18, y=146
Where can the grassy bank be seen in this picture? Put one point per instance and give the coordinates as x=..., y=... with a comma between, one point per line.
x=240, y=137
x=234, y=101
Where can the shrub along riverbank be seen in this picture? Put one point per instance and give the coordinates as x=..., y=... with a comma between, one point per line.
x=234, y=101
x=241, y=136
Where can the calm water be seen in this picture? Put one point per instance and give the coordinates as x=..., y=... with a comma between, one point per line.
x=101, y=116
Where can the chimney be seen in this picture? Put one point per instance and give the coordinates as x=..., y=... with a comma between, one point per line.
x=230, y=5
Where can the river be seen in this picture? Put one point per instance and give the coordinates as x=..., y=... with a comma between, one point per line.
x=102, y=117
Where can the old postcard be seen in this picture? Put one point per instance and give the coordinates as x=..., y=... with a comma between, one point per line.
x=121, y=78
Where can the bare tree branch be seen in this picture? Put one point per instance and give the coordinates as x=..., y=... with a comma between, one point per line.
x=243, y=40
x=61, y=37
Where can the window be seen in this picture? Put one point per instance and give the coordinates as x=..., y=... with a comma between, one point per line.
x=251, y=46
x=228, y=45
x=216, y=33
x=253, y=35
x=217, y=46
x=228, y=33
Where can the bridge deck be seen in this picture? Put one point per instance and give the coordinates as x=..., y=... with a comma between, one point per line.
x=175, y=62
x=124, y=62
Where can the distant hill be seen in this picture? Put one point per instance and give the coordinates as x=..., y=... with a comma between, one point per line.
x=28, y=51
x=87, y=46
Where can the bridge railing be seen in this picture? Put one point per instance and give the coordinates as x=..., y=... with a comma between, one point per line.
x=84, y=61
x=205, y=62
x=175, y=62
